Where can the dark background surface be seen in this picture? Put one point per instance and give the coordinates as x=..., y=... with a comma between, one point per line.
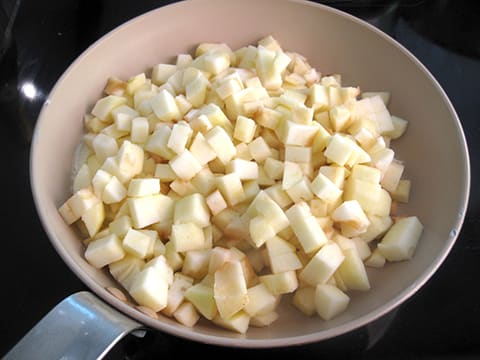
x=39, y=41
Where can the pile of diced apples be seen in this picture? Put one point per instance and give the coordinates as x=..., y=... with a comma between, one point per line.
x=215, y=186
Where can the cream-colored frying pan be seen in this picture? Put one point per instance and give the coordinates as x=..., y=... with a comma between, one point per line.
x=433, y=149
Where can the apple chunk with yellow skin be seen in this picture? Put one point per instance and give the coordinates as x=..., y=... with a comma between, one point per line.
x=230, y=289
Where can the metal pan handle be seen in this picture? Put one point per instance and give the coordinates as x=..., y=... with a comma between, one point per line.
x=80, y=327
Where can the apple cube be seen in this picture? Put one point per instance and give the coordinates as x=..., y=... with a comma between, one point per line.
x=378, y=227
x=82, y=178
x=151, y=209
x=114, y=191
x=260, y=300
x=306, y=228
x=149, y=289
x=120, y=225
x=143, y=187
x=292, y=174
x=400, y=241
x=201, y=296
x=160, y=264
x=196, y=263
x=351, y=212
x=299, y=154
x=367, y=193
x=330, y=301
x=139, y=130
x=264, y=320
x=322, y=265
x=103, y=107
x=392, y=176
x=339, y=149
x=93, y=218
x=79, y=203
x=130, y=161
x=402, y=192
x=304, y=300
x=260, y=230
x=157, y=143
x=179, y=137
x=215, y=202
x=161, y=73
x=366, y=173
x=301, y=191
x=399, y=127
x=282, y=256
x=104, y=251
x=164, y=106
x=291, y=133
x=230, y=289
x=164, y=173
x=104, y=146
x=137, y=243
x=246, y=170
x=238, y=322
x=325, y=189
x=124, y=269
x=280, y=283
x=221, y=143
x=340, y=117
x=259, y=149
x=376, y=259
x=176, y=292
x=191, y=208
x=201, y=150
x=186, y=237
x=186, y=314
x=230, y=186
x=244, y=130
x=185, y=165
x=352, y=271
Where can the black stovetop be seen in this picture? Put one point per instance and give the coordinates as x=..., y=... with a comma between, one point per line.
x=38, y=43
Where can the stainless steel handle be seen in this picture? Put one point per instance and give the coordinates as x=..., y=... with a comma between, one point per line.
x=80, y=327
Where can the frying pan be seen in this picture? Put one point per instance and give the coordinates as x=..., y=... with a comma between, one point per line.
x=433, y=149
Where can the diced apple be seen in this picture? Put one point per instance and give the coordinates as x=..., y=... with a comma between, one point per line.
x=164, y=106
x=104, y=251
x=157, y=143
x=230, y=289
x=322, y=265
x=325, y=189
x=103, y=107
x=304, y=300
x=400, y=241
x=221, y=143
x=148, y=210
x=306, y=228
x=281, y=283
x=149, y=289
x=244, y=129
x=143, y=187
x=196, y=263
x=281, y=255
x=93, y=218
x=264, y=320
x=259, y=149
x=330, y=301
x=402, y=192
x=176, y=292
x=260, y=300
x=137, y=243
x=186, y=314
x=201, y=296
x=351, y=212
x=186, y=237
x=231, y=188
x=238, y=322
x=352, y=271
